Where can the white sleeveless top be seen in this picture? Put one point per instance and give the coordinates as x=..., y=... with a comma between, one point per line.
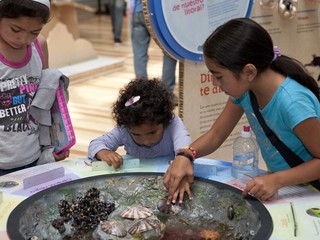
x=19, y=132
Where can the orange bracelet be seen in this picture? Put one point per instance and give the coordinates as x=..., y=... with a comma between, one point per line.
x=194, y=153
x=187, y=152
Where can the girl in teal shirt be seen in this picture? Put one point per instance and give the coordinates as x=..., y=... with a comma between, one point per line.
x=241, y=57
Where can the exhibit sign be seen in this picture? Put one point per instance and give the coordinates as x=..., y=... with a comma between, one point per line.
x=181, y=26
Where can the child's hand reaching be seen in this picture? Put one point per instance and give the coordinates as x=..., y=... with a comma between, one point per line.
x=61, y=156
x=183, y=187
x=178, y=178
x=111, y=158
x=262, y=187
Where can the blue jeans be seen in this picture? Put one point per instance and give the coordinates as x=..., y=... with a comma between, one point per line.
x=7, y=171
x=169, y=71
x=116, y=10
x=140, y=39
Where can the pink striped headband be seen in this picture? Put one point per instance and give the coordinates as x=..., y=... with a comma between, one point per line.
x=44, y=2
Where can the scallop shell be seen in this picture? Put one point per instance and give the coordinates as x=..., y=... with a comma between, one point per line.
x=136, y=212
x=143, y=225
x=114, y=228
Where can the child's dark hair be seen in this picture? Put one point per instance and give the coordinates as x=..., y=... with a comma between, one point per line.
x=154, y=106
x=242, y=41
x=24, y=8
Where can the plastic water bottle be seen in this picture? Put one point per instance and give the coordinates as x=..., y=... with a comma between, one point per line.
x=245, y=155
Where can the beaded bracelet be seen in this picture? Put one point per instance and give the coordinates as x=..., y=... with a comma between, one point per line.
x=194, y=153
x=187, y=152
x=183, y=152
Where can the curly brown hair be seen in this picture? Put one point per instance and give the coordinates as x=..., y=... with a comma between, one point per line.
x=154, y=106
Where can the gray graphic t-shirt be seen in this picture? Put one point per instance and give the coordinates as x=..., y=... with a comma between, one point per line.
x=19, y=81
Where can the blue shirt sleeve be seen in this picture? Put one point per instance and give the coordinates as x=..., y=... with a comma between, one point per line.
x=180, y=135
x=109, y=141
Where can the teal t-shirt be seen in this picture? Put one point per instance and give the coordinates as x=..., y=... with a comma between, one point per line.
x=291, y=104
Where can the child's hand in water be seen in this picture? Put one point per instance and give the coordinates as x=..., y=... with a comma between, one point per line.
x=184, y=187
x=110, y=157
x=178, y=178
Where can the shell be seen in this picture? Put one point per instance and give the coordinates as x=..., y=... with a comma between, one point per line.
x=34, y=238
x=143, y=225
x=230, y=212
x=169, y=208
x=114, y=228
x=177, y=208
x=136, y=212
x=163, y=206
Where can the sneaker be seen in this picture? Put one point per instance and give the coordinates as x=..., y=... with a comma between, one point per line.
x=117, y=42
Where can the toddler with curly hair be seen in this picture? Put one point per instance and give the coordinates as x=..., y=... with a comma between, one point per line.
x=146, y=125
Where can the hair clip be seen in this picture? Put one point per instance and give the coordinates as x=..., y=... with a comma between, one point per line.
x=276, y=53
x=132, y=100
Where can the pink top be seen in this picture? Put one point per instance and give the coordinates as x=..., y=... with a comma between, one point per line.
x=26, y=58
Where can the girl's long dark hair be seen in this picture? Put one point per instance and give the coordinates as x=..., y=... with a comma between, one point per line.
x=241, y=41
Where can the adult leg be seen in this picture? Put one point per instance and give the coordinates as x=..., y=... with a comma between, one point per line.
x=118, y=19
x=111, y=4
x=140, y=39
x=116, y=11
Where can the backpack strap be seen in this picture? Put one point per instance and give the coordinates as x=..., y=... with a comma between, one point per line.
x=291, y=157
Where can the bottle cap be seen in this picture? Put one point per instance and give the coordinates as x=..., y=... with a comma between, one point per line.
x=246, y=132
x=246, y=128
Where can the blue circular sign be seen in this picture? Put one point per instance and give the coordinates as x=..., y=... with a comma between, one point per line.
x=182, y=26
